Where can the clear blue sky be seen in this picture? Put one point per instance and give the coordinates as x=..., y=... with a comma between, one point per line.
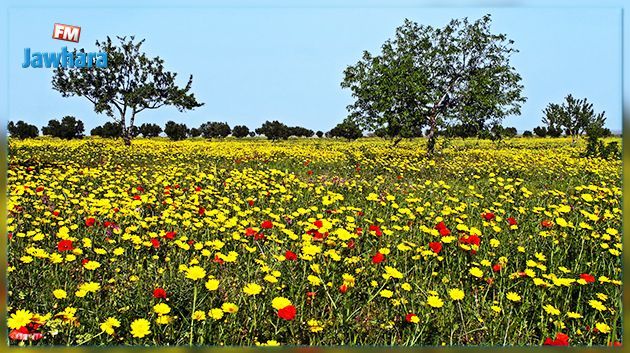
x=252, y=64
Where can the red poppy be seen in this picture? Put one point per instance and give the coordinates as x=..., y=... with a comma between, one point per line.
x=155, y=243
x=410, y=317
x=512, y=221
x=250, y=203
x=201, y=211
x=343, y=289
x=90, y=222
x=290, y=255
x=561, y=340
x=159, y=293
x=440, y=226
x=318, y=223
x=444, y=231
x=55, y=213
x=436, y=246
x=139, y=188
x=350, y=244
x=588, y=278
x=546, y=223
x=378, y=258
x=488, y=216
x=65, y=245
x=310, y=172
x=197, y=188
x=136, y=197
x=218, y=260
x=287, y=313
x=310, y=294
x=22, y=334
x=376, y=229
x=496, y=268
x=39, y=189
x=84, y=261
x=266, y=224
x=170, y=235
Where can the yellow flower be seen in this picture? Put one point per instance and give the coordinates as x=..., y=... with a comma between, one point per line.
x=385, y=293
x=551, y=310
x=573, y=315
x=140, y=328
x=19, y=318
x=92, y=265
x=252, y=289
x=435, y=301
x=270, y=343
x=392, y=272
x=216, y=313
x=109, y=325
x=476, y=271
x=597, y=305
x=602, y=327
x=212, y=284
x=161, y=309
x=456, y=294
x=195, y=273
x=60, y=294
x=496, y=309
x=406, y=286
x=229, y=308
x=199, y=315
x=280, y=302
x=314, y=280
x=163, y=319
x=314, y=325
x=513, y=297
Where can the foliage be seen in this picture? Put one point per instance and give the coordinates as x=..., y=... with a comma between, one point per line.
x=175, y=131
x=428, y=76
x=274, y=130
x=215, y=129
x=347, y=129
x=319, y=134
x=22, y=130
x=240, y=131
x=150, y=130
x=69, y=128
x=574, y=116
x=108, y=130
x=527, y=133
x=130, y=84
x=540, y=131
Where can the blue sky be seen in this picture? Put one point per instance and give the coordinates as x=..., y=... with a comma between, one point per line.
x=252, y=64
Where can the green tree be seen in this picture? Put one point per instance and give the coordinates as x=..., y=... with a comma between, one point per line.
x=175, y=131
x=574, y=116
x=240, y=131
x=273, y=130
x=130, y=84
x=194, y=132
x=69, y=128
x=319, y=134
x=540, y=131
x=347, y=129
x=150, y=130
x=299, y=131
x=22, y=130
x=215, y=130
x=427, y=76
x=527, y=133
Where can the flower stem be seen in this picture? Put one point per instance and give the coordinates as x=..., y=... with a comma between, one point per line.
x=192, y=315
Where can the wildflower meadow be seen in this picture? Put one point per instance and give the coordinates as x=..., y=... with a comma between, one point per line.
x=312, y=242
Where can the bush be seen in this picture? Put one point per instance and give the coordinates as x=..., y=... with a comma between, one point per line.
x=22, y=130
x=215, y=130
x=540, y=131
x=150, y=130
x=175, y=131
x=240, y=131
x=69, y=128
x=527, y=133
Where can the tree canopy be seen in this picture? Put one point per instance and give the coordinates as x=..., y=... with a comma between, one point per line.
x=427, y=76
x=131, y=83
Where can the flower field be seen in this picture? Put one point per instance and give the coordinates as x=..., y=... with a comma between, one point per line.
x=312, y=242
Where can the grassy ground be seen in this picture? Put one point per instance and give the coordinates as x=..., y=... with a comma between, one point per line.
x=486, y=243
